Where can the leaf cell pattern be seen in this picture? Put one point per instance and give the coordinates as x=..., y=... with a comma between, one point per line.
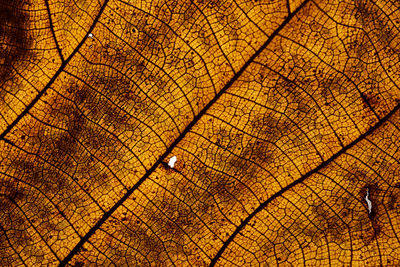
x=282, y=116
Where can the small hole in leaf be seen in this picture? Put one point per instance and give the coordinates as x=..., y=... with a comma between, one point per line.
x=172, y=162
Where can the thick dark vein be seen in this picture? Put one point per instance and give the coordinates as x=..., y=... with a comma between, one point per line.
x=52, y=31
x=178, y=139
x=288, y=6
x=52, y=80
x=299, y=181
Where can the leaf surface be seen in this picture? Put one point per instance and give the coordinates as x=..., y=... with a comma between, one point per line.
x=280, y=117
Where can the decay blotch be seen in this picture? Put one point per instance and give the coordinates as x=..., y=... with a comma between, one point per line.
x=14, y=39
x=129, y=93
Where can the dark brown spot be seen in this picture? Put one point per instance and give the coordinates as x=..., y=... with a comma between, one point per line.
x=392, y=202
x=78, y=264
x=14, y=40
x=370, y=100
x=327, y=223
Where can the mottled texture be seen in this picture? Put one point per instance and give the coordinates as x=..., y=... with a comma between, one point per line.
x=282, y=115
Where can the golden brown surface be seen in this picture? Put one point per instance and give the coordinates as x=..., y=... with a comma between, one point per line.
x=283, y=116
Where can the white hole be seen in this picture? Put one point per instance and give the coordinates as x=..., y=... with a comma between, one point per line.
x=90, y=35
x=172, y=161
x=369, y=203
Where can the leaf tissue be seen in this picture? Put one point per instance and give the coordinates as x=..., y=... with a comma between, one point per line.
x=199, y=133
